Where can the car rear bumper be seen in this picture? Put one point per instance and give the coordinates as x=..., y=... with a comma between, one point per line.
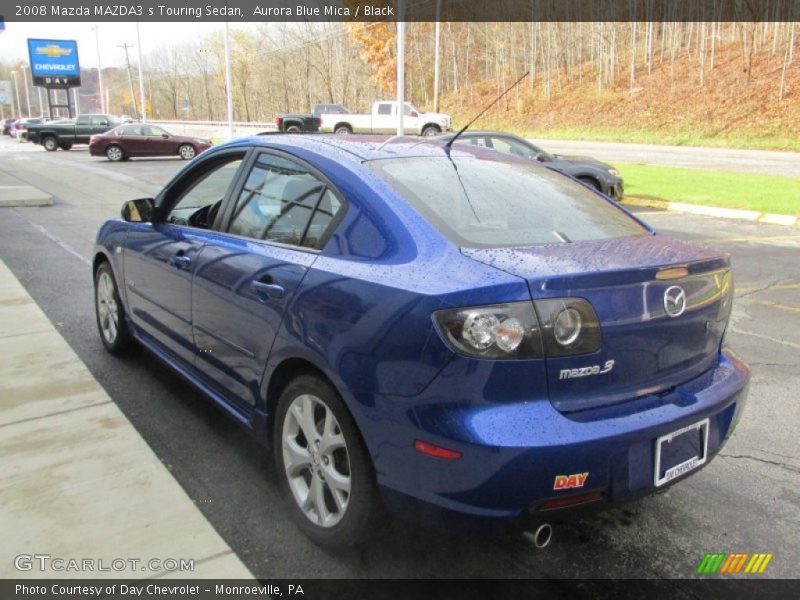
x=512, y=454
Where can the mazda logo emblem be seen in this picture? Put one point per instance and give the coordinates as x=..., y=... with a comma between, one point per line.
x=675, y=301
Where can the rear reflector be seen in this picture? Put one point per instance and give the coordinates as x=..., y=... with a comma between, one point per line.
x=436, y=451
x=571, y=501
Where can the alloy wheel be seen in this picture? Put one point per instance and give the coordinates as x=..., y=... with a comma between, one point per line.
x=316, y=460
x=107, y=308
x=187, y=152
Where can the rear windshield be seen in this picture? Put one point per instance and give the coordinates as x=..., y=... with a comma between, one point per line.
x=482, y=202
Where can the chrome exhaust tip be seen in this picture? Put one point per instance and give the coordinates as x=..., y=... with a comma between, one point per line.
x=541, y=536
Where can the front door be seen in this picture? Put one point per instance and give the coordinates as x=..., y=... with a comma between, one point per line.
x=246, y=277
x=160, y=258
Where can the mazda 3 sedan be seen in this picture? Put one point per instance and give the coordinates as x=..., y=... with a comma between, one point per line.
x=454, y=333
x=132, y=140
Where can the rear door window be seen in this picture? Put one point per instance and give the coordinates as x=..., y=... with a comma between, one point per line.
x=283, y=202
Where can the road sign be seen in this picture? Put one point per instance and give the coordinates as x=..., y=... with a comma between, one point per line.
x=54, y=63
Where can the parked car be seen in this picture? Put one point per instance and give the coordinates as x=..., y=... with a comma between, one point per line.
x=459, y=335
x=65, y=134
x=383, y=119
x=131, y=140
x=594, y=173
x=7, y=126
x=298, y=123
x=20, y=127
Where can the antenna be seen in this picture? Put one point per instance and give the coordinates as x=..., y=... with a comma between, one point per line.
x=449, y=144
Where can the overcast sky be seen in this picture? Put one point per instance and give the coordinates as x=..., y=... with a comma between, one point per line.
x=13, y=45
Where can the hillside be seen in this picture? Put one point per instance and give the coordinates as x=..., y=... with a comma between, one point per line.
x=668, y=106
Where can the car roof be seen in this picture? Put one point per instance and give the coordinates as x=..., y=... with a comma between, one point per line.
x=363, y=147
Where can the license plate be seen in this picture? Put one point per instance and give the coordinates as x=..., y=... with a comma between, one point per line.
x=681, y=451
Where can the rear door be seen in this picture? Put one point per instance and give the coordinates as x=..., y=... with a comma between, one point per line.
x=247, y=276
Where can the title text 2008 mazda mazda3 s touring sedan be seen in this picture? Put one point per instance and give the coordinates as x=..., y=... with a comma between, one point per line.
x=418, y=327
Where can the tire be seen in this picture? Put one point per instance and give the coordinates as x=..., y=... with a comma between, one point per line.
x=591, y=182
x=109, y=313
x=350, y=505
x=65, y=146
x=343, y=130
x=431, y=130
x=293, y=129
x=114, y=153
x=50, y=143
x=187, y=152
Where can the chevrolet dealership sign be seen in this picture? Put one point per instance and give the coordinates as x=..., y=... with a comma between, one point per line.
x=54, y=63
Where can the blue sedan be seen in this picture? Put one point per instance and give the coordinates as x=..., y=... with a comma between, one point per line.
x=454, y=333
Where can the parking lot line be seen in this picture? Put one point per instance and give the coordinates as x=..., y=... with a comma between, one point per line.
x=750, y=238
x=73, y=463
x=788, y=307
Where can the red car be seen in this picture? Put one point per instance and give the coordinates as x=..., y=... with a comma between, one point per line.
x=126, y=141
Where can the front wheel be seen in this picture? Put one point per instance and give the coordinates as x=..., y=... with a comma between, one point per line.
x=431, y=130
x=50, y=144
x=324, y=469
x=108, y=310
x=187, y=152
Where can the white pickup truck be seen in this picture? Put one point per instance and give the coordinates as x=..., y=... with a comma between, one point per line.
x=383, y=119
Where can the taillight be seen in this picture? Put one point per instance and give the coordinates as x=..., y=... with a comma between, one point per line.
x=278, y=120
x=564, y=326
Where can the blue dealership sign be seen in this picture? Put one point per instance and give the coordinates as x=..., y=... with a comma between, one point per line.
x=54, y=63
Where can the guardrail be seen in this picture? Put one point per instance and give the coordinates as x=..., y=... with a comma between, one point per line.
x=214, y=129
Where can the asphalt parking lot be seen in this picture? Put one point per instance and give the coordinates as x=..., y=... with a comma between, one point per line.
x=747, y=500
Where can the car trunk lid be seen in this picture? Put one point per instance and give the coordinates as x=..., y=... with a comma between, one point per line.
x=649, y=344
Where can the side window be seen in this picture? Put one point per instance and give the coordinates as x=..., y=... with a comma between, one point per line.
x=153, y=131
x=512, y=147
x=130, y=130
x=83, y=121
x=384, y=109
x=205, y=195
x=283, y=202
x=472, y=141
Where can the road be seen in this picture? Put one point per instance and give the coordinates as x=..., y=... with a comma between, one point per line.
x=746, y=500
x=766, y=162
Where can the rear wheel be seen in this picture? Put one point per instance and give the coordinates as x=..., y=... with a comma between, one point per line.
x=293, y=129
x=591, y=182
x=324, y=469
x=50, y=143
x=187, y=152
x=114, y=153
x=343, y=130
x=108, y=309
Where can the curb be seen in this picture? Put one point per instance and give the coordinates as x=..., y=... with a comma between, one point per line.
x=715, y=211
x=23, y=195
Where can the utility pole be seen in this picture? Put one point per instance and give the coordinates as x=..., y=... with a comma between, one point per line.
x=228, y=88
x=16, y=94
x=125, y=47
x=401, y=66
x=41, y=106
x=99, y=70
x=141, y=76
x=436, y=58
x=27, y=93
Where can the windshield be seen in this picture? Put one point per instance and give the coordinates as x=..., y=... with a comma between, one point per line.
x=481, y=202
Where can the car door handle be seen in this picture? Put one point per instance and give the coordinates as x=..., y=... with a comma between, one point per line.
x=180, y=260
x=265, y=290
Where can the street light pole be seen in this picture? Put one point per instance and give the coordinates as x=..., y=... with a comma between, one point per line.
x=99, y=70
x=41, y=106
x=401, y=67
x=27, y=93
x=141, y=76
x=16, y=93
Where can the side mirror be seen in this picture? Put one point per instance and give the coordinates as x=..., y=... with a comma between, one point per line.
x=413, y=113
x=542, y=158
x=103, y=123
x=141, y=210
x=165, y=136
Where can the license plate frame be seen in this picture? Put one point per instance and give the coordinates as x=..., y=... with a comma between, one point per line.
x=686, y=466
